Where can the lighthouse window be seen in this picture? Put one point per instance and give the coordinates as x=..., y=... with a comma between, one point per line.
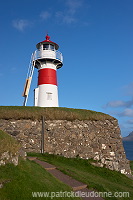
x=51, y=47
x=48, y=46
x=45, y=46
x=49, y=96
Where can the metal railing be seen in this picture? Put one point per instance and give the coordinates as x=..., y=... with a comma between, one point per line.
x=38, y=54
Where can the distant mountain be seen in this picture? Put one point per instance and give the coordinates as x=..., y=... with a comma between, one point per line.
x=129, y=137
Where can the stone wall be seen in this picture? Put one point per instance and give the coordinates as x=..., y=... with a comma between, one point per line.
x=100, y=140
x=7, y=157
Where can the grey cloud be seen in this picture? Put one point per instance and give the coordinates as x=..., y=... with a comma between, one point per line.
x=119, y=103
x=126, y=113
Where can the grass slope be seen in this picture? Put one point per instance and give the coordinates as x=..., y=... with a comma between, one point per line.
x=26, y=178
x=101, y=179
x=21, y=112
x=8, y=143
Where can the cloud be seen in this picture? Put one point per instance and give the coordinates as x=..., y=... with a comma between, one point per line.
x=125, y=128
x=126, y=113
x=130, y=121
x=129, y=89
x=45, y=15
x=68, y=16
x=73, y=6
x=119, y=103
x=124, y=109
x=69, y=19
x=64, y=18
x=20, y=24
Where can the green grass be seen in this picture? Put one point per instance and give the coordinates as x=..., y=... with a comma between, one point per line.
x=100, y=179
x=8, y=143
x=35, y=113
x=28, y=177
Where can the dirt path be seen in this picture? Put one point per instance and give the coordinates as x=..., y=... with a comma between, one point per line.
x=76, y=186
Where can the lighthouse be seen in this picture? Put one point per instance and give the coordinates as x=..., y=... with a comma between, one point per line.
x=47, y=59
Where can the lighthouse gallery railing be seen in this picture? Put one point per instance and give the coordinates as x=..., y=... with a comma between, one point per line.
x=38, y=54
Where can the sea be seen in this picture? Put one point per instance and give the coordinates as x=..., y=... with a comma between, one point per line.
x=128, y=146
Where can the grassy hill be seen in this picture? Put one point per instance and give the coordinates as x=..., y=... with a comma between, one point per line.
x=99, y=179
x=18, y=182
x=27, y=177
x=22, y=181
x=8, y=143
x=33, y=113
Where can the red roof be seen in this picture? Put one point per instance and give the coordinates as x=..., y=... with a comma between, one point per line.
x=48, y=41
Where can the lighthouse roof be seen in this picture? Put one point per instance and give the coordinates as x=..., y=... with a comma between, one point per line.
x=48, y=41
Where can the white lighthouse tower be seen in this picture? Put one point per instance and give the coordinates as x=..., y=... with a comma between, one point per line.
x=47, y=59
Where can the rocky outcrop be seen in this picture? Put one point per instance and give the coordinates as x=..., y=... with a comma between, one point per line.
x=100, y=140
x=8, y=157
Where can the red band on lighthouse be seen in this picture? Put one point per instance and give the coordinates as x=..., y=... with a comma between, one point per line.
x=47, y=76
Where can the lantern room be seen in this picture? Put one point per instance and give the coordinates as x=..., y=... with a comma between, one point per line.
x=48, y=50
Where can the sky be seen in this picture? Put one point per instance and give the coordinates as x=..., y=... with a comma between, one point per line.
x=96, y=40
